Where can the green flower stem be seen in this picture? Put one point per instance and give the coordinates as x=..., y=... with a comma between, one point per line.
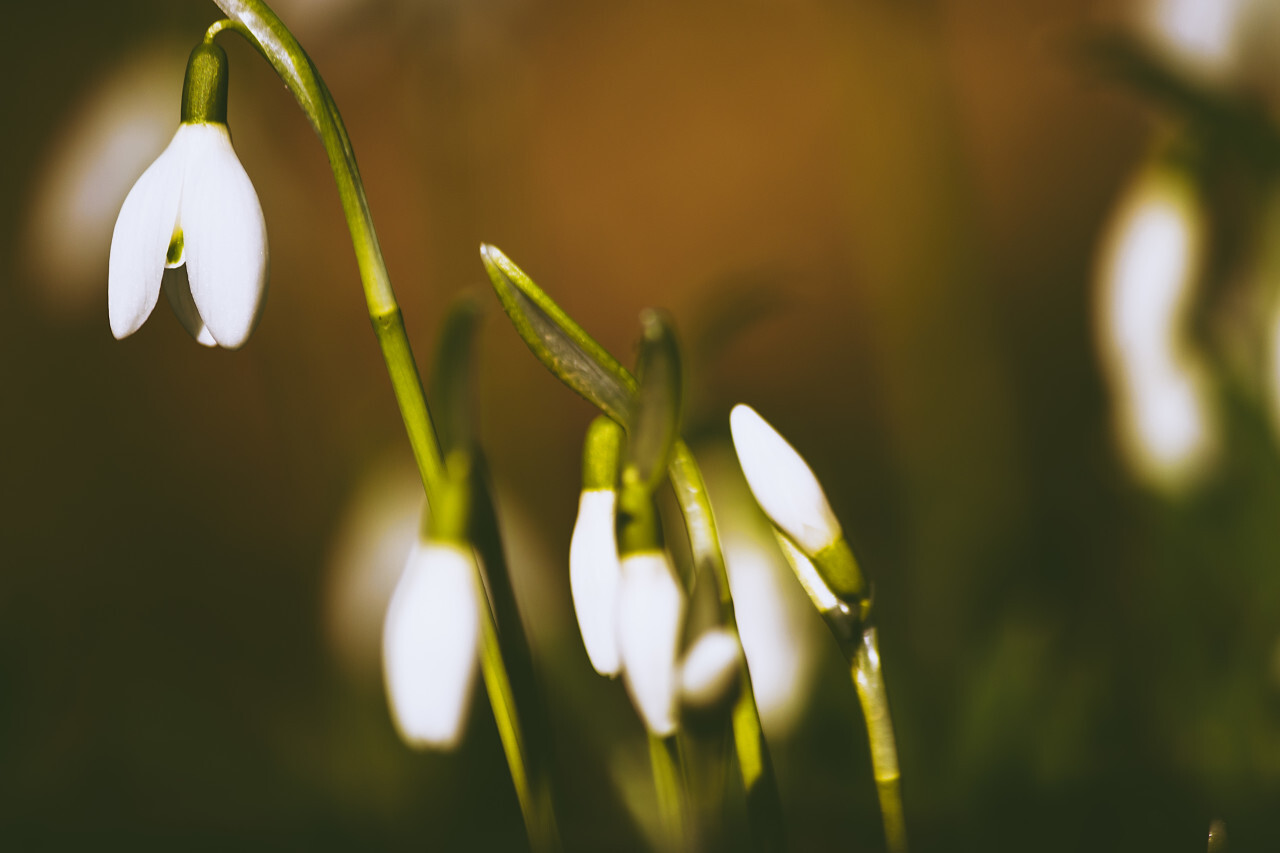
x=860, y=645
x=869, y=680
x=764, y=807
x=535, y=802
x=267, y=33
x=528, y=746
x=669, y=783
x=407, y=386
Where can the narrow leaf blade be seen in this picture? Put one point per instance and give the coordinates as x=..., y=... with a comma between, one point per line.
x=558, y=342
x=655, y=422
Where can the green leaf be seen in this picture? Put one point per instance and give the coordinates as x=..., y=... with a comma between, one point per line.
x=453, y=374
x=655, y=424
x=558, y=342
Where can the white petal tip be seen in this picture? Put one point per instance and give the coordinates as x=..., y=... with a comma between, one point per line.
x=122, y=331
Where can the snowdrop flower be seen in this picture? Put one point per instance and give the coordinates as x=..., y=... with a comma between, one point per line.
x=650, y=616
x=790, y=495
x=594, y=571
x=431, y=644
x=193, y=206
x=783, y=483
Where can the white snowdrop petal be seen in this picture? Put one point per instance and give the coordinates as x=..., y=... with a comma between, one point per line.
x=710, y=669
x=141, y=239
x=178, y=291
x=650, y=615
x=431, y=645
x=226, y=237
x=782, y=482
x=594, y=576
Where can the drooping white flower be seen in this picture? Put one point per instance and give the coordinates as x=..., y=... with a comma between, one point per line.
x=594, y=575
x=783, y=483
x=650, y=616
x=195, y=206
x=430, y=644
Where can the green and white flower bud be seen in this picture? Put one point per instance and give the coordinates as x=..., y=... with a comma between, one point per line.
x=193, y=207
x=711, y=674
x=431, y=644
x=594, y=572
x=650, y=617
x=785, y=487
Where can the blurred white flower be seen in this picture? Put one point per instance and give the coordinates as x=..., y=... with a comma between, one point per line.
x=1148, y=270
x=709, y=673
x=431, y=644
x=1201, y=36
x=650, y=617
x=108, y=136
x=195, y=206
x=372, y=539
x=783, y=483
x=594, y=575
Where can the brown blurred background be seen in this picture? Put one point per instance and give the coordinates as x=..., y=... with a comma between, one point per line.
x=902, y=199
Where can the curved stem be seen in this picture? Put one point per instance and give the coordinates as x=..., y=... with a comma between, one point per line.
x=869, y=679
x=764, y=806
x=267, y=33
x=269, y=36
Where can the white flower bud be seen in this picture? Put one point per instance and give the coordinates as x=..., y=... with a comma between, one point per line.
x=650, y=616
x=782, y=482
x=710, y=671
x=594, y=575
x=431, y=644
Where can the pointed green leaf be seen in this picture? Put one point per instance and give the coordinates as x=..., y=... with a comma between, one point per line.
x=558, y=342
x=655, y=423
x=453, y=374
